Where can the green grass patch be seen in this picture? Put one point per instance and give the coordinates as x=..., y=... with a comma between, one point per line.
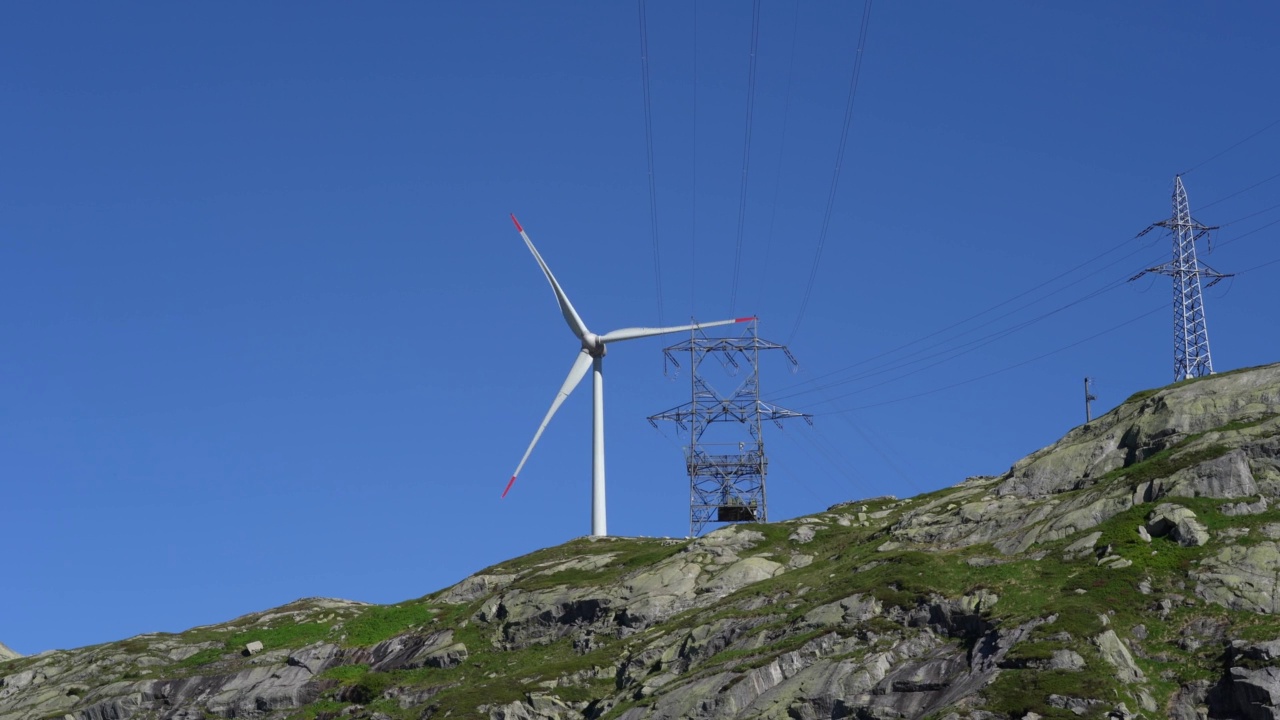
x=292, y=635
x=320, y=709
x=629, y=554
x=204, y=657
x=583, y=694
x=381, y=622
x=1018, y=692
x=759, y=657
x=134, y=646
x=1245, y=424
x=572, y=577
x=1033, y=651
x=368, y=687
x=1142, y=395
x=1166, y=462
x=647, y=556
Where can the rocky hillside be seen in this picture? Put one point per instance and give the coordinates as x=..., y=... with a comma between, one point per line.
x=1129, y=570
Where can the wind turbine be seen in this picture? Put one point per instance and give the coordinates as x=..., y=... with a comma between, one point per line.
x=591, y=355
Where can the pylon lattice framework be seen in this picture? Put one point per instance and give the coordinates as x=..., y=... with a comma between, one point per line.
x=726, y=480
x=1190, y=334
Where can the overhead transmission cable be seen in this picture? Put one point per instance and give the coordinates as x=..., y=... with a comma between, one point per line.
x=819, y=439
x=1257, y=229
x=1238, y=192
x=782, y=147
x=992, y=337
x=648, y=143
x=979, y=342
x=904, y=360
x=1250, y=215
x=816, y=453
x=746, y=150
x=953, y=353
x=992, y=308
x=835, y=175
x=957, y=351
x=1258, y=267
x=1202, y=163
x=875, y=447
x=871, y=433
x=1003, y=333
x=1007, y=368
x=813, y=459
x=1260, y=228
x=693, y=192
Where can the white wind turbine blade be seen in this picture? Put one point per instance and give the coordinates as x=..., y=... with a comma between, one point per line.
x=571, y=316
x=576, y=373
x=633, y=333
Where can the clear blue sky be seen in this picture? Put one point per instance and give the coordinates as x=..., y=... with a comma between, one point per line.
x=268, y=332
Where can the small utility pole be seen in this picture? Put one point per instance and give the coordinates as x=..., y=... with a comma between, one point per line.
x=1088, y=398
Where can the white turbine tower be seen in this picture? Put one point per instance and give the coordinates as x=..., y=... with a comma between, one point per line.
x=591, y=355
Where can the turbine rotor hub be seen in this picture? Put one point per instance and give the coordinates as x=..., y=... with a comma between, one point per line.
x=592, y=343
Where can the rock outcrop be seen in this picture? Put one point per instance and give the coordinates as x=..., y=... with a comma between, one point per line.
x=1130, y=570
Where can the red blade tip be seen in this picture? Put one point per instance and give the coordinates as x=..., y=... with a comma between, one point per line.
x=512, y=481
x=517, y=222
x=746, y=319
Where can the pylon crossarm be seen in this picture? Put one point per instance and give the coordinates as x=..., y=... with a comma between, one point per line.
x=1205, y=270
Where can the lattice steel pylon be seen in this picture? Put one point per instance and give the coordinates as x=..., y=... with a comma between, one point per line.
x=726, y=478
x=1190, y=334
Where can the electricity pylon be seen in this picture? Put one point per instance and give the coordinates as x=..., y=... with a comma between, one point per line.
x=726, y=478
x=1190, y=334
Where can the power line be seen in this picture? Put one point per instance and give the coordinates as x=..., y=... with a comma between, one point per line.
x=1233, y=147
x=992, y=337
x=820, y=439
x=693, y=241
x=957, y=351
x=782, y=147
x=832, y=459
x=954, y=352
x=835, y=176
x=648, y=143
x=1246, y=217
x=1238, y=192
x=1256, y=267
x=984, y=376
x=1040, y=286
x=1260, y=228
x=1257, y=229
x=884, y=455
x=842, y=412
x=746, y=149
x=813, y=459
